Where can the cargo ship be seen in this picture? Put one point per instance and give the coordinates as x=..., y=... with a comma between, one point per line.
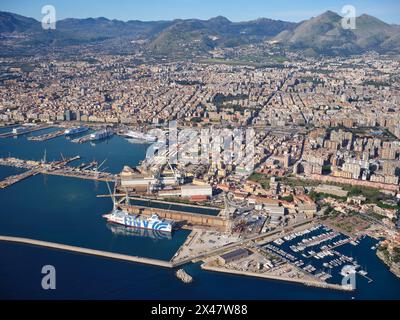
x=139, y=136
x=102, y=134
x=75, y=130
x=140, y=222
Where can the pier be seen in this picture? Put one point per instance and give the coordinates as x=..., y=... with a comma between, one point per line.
x=28, y=130
x=58, y=168
x=83, y=139
x=9, y=181
x=105, y=254
x=81, y=174
x=47, y=136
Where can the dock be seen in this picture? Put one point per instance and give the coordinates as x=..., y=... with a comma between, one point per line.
x=9, y=181
x=47, y=136
x=83, y=139
x=29, y=130
x=58, y=168
x=81, y=174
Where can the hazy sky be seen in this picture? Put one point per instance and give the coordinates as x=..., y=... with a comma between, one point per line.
x=235, y=10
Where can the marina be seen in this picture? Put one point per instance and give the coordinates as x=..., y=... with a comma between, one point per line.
x=317, y=251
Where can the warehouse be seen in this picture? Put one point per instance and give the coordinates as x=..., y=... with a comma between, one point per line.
x=232, y=256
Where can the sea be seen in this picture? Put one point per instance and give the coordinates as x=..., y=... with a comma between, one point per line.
x=68, y=211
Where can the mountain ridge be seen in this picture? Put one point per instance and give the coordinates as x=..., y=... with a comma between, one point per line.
x=323, y=34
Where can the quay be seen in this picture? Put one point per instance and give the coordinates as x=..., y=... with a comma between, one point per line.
x=29, y=130
x=58, y=168
x=47, y=136
x=111, y=255
x=83, y=139
x=81, y=174
x=9, y=181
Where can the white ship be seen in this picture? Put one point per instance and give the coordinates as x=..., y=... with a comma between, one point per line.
x=138, y=221
x=102, y=134
x=75, y=130
x=139, y=136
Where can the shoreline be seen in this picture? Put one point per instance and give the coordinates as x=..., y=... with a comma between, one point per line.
x=381, y=257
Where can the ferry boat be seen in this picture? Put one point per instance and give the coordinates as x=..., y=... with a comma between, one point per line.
x=137, y=221
x=139, y=136
x=102, y=134
x=75, y=130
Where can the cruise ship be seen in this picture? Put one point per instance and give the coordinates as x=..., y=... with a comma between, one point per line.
x=137, y=221
x=102, y=134
x=75, y=130
x=139, y=136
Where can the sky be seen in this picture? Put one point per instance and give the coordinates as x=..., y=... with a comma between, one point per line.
x=235, y=10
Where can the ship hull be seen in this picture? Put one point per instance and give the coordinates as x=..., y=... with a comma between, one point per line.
x=139, y=223
x=75, y=132
x=139, y=136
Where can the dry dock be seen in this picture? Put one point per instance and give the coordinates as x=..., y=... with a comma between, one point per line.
x=92, y=252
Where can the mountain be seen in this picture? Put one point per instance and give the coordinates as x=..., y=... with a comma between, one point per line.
x=325, y=34
x=204, y=35
x=10, y=22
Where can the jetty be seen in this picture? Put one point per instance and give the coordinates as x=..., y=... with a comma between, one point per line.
x=57, y=168
x=9, y=181
x=28, y=130
x=83, y=139
x=47, y=136
x=111, y=255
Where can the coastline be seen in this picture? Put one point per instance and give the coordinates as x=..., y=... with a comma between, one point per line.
x=381, y=256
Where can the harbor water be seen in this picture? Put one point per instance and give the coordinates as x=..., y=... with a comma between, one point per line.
x=67, y=211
